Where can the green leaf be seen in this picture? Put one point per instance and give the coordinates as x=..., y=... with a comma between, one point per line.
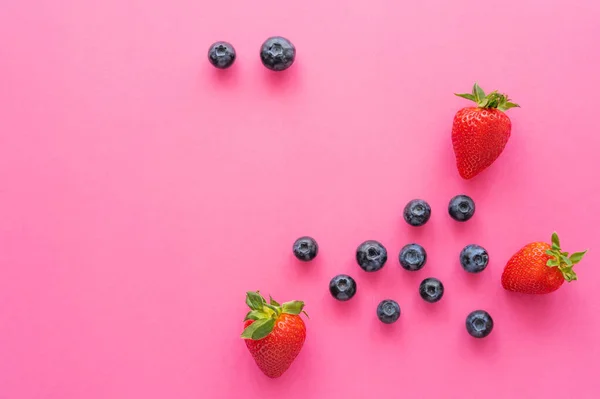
x=550, y=252
x=293, y=307
x=577, y=256
x=552, y=263
x=254, y=300
x=569, y=274
x=478, y=93
x=275, y=310
x=259, y=329
x=273, y=301
x=555, y=241
x=566, y=260
x=468, y=96
x=508, y=105
x=256, y=315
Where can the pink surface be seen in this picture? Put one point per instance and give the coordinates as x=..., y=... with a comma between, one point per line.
x=143, y=192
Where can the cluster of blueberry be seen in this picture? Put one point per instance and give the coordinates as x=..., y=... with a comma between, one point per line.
x=371, y=256
x=276, y=53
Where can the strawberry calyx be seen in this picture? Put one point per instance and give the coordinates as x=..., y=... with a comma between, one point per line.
x=563, y=260
x=265, y=314
x=491, y=100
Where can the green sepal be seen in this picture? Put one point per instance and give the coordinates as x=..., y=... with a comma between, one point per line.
x=552, y=262
x=478, y=93
x=276, y=309
x=509, y=105
x=562, y=260
x=577, y=256
x=468, y=96
x=491, y=100
x=566, y=260
x=255, y=315
x=555, y=242
x=293, y=307
x=259, y=329
x=265, y=315
x=273, y=301
x=569, y=274
x=254, y=300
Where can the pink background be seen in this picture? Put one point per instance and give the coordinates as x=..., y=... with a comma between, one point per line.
x=142, y=192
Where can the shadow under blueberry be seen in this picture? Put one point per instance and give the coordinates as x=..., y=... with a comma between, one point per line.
x=436, y=308
x=482, y=347
x=341, y=309
x=282, y=81
x=305, y=270
x=213, y=77
x=387, y=331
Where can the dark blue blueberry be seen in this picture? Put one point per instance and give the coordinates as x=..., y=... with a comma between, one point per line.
x=306, y=248
x=342, y=287
x=371, y=256
x=461, y=208
x=417, y=212
x=479, y=324
x=221, y=55
x=474, y=258
x=412, y=257
x=388, y=311
x=277, y=53
x=431, y=289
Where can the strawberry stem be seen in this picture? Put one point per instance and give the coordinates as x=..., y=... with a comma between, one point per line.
x=492, y=100
x=562, y=260
x=265, y=314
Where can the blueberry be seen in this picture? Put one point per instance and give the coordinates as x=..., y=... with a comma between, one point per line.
x=461, y=208
x=412, y=257
x=306, y=248
x=388, y=311
x=371, y=256
x=479, y=324
x=417, y=212
x=221, y=55
x=342, y=287
x=431, y=289
x=474, y=258
x=277, y=53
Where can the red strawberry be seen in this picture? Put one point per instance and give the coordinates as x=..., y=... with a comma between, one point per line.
x=479, y=134
x=274, y=333
x=540, y=268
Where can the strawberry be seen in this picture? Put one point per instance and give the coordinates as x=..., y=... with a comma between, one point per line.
x=274, y=333
x=540, y=268
x=479, y=134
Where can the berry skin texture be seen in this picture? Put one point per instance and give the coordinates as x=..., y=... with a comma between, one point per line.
x=371, y=256
x=461, y=208
x=479, y=134
x=221, y=55
x=540, y=268
x=274, y=334
x=479, y=324
x=412, y=257
x=305, y=248
x=342, y=287
x=431, y=290
x=417, y=212
x=474, y=259
x=388, y=311
x=277, y=53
